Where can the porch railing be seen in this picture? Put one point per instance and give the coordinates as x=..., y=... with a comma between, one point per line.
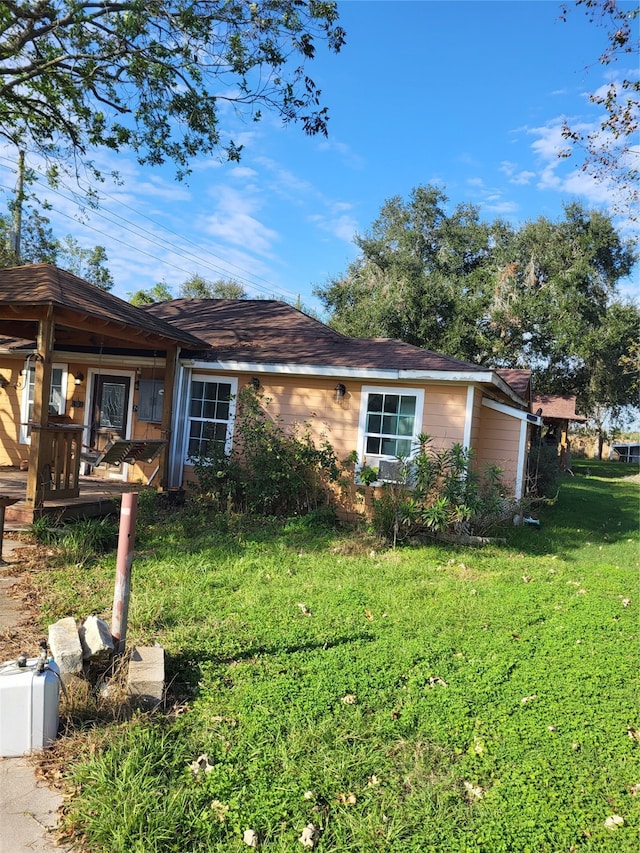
x=59, y=465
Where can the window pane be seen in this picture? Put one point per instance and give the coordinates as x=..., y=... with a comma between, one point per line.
x=374, y=423
x=388, y=447
x=407, y=405
x=405, y=425
x=209, y=409
x=403, y=447
x=375, y=402
x=389, y=424
x=224, y=392
x=222, y=411
x=391, y=402
x=373, y=445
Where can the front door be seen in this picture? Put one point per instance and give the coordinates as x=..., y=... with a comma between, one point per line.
x=109, y=415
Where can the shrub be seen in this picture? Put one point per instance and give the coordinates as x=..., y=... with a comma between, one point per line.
x=543, y=472
x=438, y=491
x=271, y=470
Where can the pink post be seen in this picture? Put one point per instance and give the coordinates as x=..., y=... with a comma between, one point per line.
x=126, y=538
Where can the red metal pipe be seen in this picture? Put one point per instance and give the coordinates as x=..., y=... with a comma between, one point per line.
x=126, y=540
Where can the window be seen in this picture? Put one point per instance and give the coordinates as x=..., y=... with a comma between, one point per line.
x=57, y=397
x=150, y=399
x=390, y=422
x=210, y=414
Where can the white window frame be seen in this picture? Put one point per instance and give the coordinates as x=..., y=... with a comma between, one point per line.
x=29, y=388
x=214, y=379
x=373, y=460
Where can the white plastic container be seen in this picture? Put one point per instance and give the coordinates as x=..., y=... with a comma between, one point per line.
x=29, y=703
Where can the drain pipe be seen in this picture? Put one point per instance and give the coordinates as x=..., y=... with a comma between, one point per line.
x=126, y=539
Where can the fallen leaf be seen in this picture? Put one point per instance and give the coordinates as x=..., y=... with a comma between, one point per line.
x=526, y=699
x=250, y=838
x=310, y=836
x=626, y=602
x=527, y=578
x=201, y=765
x=304, y=609
x=220, y=810
x=436, y=680
x=369, y=615
x=474, y=791
x=349, y=799
x=614, y=821
x=309, y=795
x=373, y=781
x=633, y=733
x=349, y=699
x=634, y=790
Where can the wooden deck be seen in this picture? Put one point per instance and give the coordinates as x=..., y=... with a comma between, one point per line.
x=97, y=497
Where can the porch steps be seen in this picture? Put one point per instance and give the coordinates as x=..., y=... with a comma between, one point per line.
x=21, y=514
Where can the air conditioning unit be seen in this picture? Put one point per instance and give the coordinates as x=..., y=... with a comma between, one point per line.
x=391, y=471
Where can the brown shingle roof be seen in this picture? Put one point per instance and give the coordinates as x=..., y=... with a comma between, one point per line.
x=557, y=407
x=519, y=380
x=273, y=332
x=43, y=284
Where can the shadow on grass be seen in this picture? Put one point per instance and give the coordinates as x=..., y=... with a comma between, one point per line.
x=193, y=662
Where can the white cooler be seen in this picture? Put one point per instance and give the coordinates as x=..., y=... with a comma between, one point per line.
x=28, y=707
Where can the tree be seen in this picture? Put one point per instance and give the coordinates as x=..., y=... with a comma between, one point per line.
x=197, y=287
x=611, y=152
x=160, y=292
x=38, y=245
x=611, y=365
x=551, y=294
x=542, y=297
x=155, y=78
x=89, y=264
x=421, y=277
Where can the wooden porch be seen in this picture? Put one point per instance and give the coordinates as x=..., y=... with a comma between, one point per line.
x=97, y=497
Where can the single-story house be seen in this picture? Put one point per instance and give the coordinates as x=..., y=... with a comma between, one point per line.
x=92, y=384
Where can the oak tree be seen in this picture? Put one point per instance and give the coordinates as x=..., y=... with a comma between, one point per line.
x=156, y=77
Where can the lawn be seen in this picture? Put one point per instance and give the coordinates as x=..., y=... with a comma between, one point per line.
x=422, y=699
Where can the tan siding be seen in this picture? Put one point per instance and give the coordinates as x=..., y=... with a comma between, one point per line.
x=499, y=443
x=445, y=409
x=11, y=451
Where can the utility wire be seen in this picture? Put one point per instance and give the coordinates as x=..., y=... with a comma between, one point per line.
x=133, y=228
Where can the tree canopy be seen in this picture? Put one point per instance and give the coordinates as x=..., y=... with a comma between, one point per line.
x=610, y=151
x=155, y=78
x=38, y=245
x=543, y=296
x=194, y=287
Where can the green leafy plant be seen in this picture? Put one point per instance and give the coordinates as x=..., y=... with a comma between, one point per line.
x=272, y=470
x=439, y=491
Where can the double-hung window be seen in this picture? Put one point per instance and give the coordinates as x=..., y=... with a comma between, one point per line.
x=210, y=417
x=57, y=397
x=390, y=422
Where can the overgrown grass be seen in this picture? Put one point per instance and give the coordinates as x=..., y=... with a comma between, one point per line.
x=423, y=699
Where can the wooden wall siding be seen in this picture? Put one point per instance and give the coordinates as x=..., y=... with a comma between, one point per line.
x=10, y=397
x=445, y=409
x=499, y=443
x=477, y=414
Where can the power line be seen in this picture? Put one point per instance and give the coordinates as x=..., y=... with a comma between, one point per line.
x=250, y=279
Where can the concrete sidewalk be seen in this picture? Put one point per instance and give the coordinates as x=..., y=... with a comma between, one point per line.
x=28, y=809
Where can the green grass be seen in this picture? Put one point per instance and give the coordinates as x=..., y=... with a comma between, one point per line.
x=421, y=676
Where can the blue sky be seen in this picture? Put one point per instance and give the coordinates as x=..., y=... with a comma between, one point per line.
x=466, y=95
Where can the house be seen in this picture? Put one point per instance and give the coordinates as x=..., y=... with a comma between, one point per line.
x=94, y=385
x=80, y=368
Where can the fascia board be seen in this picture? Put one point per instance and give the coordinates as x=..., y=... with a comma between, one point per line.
x=513, y=413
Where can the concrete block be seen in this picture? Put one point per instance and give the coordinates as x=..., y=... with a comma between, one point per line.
x=145, y=680
x=64, y=643
x=96, y=640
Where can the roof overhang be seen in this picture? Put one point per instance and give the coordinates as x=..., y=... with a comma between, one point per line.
x=458, y=377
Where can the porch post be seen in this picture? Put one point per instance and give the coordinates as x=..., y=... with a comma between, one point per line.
x=40, y=446
x=167, y=412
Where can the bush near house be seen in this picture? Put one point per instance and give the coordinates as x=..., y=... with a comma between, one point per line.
x=420, y=699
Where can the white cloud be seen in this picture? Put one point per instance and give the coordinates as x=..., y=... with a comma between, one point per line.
x=235, y=222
